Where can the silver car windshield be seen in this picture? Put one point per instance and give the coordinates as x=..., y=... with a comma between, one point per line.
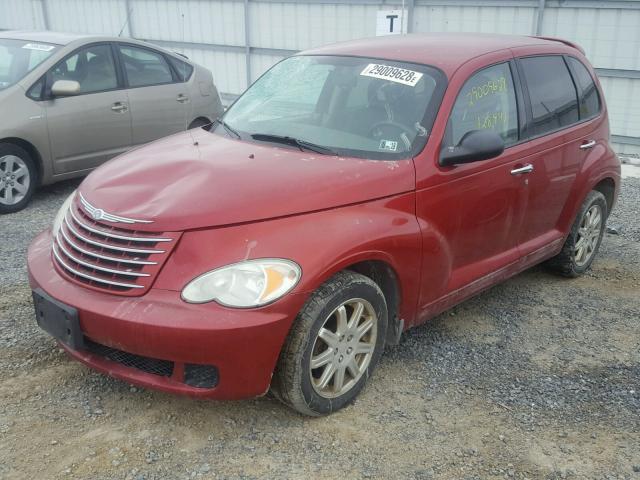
x=363, y=107
x=19, y=57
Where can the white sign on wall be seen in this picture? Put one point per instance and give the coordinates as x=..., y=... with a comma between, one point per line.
x=391, y=22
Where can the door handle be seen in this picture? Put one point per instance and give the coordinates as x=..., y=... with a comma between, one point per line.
x=589, y=144
x=528, y=168
x=182, y=98
x=119, y=107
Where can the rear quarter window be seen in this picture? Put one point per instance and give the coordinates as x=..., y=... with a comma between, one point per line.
x=183, y=68
x=554, y=101
x=589, y=100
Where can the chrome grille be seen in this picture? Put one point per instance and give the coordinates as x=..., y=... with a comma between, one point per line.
x=106, y=257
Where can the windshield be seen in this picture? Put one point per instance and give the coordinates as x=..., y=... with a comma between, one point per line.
x=354, y=106
x=19, y=57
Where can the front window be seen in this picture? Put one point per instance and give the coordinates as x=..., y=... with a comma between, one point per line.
x=354, y=106
x=92, y=67
x=487, y=101
x=19, y=57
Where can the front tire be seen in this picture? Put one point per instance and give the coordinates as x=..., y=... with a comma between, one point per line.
x=584, y=239
x=333, y=347
x=18, y=178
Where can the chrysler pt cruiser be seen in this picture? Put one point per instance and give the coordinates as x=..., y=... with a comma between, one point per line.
x=352, y=192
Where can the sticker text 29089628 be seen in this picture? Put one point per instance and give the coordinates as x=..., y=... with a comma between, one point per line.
x=393, y=74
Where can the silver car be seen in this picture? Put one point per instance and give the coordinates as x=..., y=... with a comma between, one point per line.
x=69, y=102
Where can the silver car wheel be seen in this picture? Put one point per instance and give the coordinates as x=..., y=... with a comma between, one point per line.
x=14, y=179
x=343, y=348
x=588, y=235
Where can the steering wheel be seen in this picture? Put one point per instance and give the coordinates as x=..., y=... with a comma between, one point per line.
x=390, y=123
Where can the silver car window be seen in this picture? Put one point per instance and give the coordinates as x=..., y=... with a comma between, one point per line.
x=145, y=67
x=92, y=67
x=19, y=57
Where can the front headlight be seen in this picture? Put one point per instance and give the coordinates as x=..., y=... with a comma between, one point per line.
x=57, y=222
x=251, y=283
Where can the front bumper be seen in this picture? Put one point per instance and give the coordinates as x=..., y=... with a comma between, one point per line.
x=243, y=345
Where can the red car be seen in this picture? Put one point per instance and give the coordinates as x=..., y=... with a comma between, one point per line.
x=354, y=191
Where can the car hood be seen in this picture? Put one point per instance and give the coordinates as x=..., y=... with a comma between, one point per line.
x=198, y=179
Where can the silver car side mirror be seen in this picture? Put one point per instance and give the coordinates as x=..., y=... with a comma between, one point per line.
x=65, y=88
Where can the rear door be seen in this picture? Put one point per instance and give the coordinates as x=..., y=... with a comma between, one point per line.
x=554, y=151
x=89, y=128
x=159, y=100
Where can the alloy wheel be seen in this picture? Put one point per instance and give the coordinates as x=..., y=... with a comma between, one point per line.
x=343, y=348
x=14, y=179
x=588, y=235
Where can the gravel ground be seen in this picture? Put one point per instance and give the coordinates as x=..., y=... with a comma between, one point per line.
x=536, y=378
x=626, y=214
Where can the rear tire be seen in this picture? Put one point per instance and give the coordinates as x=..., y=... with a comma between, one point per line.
x=583, y=242
x=18, y=178
x=333, y=346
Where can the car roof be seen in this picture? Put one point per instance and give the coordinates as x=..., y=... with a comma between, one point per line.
x=63, y=39
x=57, y=38
x=446, y=51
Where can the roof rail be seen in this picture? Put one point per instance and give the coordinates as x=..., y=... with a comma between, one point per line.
x=562, y=40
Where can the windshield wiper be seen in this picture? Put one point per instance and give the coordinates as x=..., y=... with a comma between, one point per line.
x=228, y=128
x=301, y=144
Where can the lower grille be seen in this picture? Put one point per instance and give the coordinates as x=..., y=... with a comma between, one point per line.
x=200, y=376
x=154, y=366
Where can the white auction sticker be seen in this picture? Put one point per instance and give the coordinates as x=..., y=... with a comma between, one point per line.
x=393, y=74
x=38, y=46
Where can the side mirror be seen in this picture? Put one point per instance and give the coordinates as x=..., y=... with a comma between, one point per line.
x=474, y=146
x=65, y=88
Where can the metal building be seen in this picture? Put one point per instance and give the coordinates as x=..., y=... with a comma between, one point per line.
x=239, y=39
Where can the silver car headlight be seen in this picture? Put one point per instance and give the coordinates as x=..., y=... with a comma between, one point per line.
x=251, y=283
x=57, y=222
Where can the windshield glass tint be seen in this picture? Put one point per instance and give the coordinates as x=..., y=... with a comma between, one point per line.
x=356, y=106
x=19, y=57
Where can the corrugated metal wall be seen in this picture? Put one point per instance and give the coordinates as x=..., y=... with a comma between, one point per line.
x=239, y=39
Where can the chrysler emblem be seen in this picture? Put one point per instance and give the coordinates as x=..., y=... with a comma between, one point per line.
x=97, y=214
x=100, y=214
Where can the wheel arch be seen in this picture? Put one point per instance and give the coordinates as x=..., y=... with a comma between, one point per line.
x=380, y=268
x=31, y=150
x=200, y=118
x=607, y=186
x=385, y=276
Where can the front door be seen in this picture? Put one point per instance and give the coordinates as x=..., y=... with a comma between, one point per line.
x=471, y=213
x=89, y=128
x=160, y=104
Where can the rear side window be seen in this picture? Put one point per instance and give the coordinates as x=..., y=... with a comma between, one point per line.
x=487, y=101
x=145, y=67
x=589, y=99
x=183, y=68
x=554, y=102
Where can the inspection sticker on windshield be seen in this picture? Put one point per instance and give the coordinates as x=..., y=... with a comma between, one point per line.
x=393, y=74
x=38, y=46
x=389, y=145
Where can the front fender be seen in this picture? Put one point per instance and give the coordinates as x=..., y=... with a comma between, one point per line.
x=322, y=243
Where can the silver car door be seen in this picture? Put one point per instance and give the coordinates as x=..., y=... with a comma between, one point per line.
x=159, y=102
x=88, y=128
